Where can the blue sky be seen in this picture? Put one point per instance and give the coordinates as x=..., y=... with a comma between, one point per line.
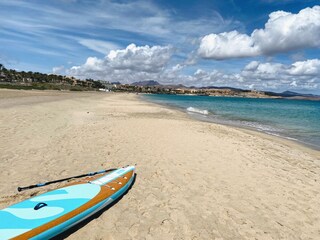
x=258, y=44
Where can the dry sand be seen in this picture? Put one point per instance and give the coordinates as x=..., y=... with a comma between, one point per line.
x=195, y=180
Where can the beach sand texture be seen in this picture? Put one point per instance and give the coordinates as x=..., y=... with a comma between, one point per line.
x=195, y=180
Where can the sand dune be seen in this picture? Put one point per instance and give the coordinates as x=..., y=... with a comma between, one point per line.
x=195, y=180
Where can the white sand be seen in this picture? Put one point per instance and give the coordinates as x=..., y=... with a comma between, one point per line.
x=195, y=180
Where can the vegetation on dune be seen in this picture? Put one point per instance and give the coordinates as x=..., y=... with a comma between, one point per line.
x=12, y=79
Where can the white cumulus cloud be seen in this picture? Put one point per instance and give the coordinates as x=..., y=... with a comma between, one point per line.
x=283, y=32
x=309, y=67
x=133, y=63
x=298, y=75
x=263, y=70
x=301, y=69
x=227, y=45
x=145, y=58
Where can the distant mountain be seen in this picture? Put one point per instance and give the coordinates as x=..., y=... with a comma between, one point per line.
x=291, y=94
x=295, y=94
x=117, y=83
x=146, y=83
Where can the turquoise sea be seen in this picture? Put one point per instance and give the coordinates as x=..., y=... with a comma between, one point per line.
x=298, y=120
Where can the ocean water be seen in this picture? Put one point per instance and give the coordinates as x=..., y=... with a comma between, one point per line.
x=298, y=120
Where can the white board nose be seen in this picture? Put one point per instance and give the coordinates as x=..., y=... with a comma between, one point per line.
x=113, y=175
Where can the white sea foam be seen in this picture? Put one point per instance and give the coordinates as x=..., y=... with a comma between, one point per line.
x=196, y=110
x=262, y=127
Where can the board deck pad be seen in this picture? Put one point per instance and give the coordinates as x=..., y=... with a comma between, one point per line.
x=42, y=210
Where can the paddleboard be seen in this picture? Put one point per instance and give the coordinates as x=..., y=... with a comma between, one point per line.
x=51, y=213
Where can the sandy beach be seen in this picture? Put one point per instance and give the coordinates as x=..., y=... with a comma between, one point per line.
x=195, y=180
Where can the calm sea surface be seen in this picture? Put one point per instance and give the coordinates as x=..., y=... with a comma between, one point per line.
x=297, y=120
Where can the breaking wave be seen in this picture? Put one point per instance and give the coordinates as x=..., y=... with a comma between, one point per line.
x=196, y=110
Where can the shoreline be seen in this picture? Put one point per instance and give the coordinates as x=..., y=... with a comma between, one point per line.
x=195, y=180
x=224, y=122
